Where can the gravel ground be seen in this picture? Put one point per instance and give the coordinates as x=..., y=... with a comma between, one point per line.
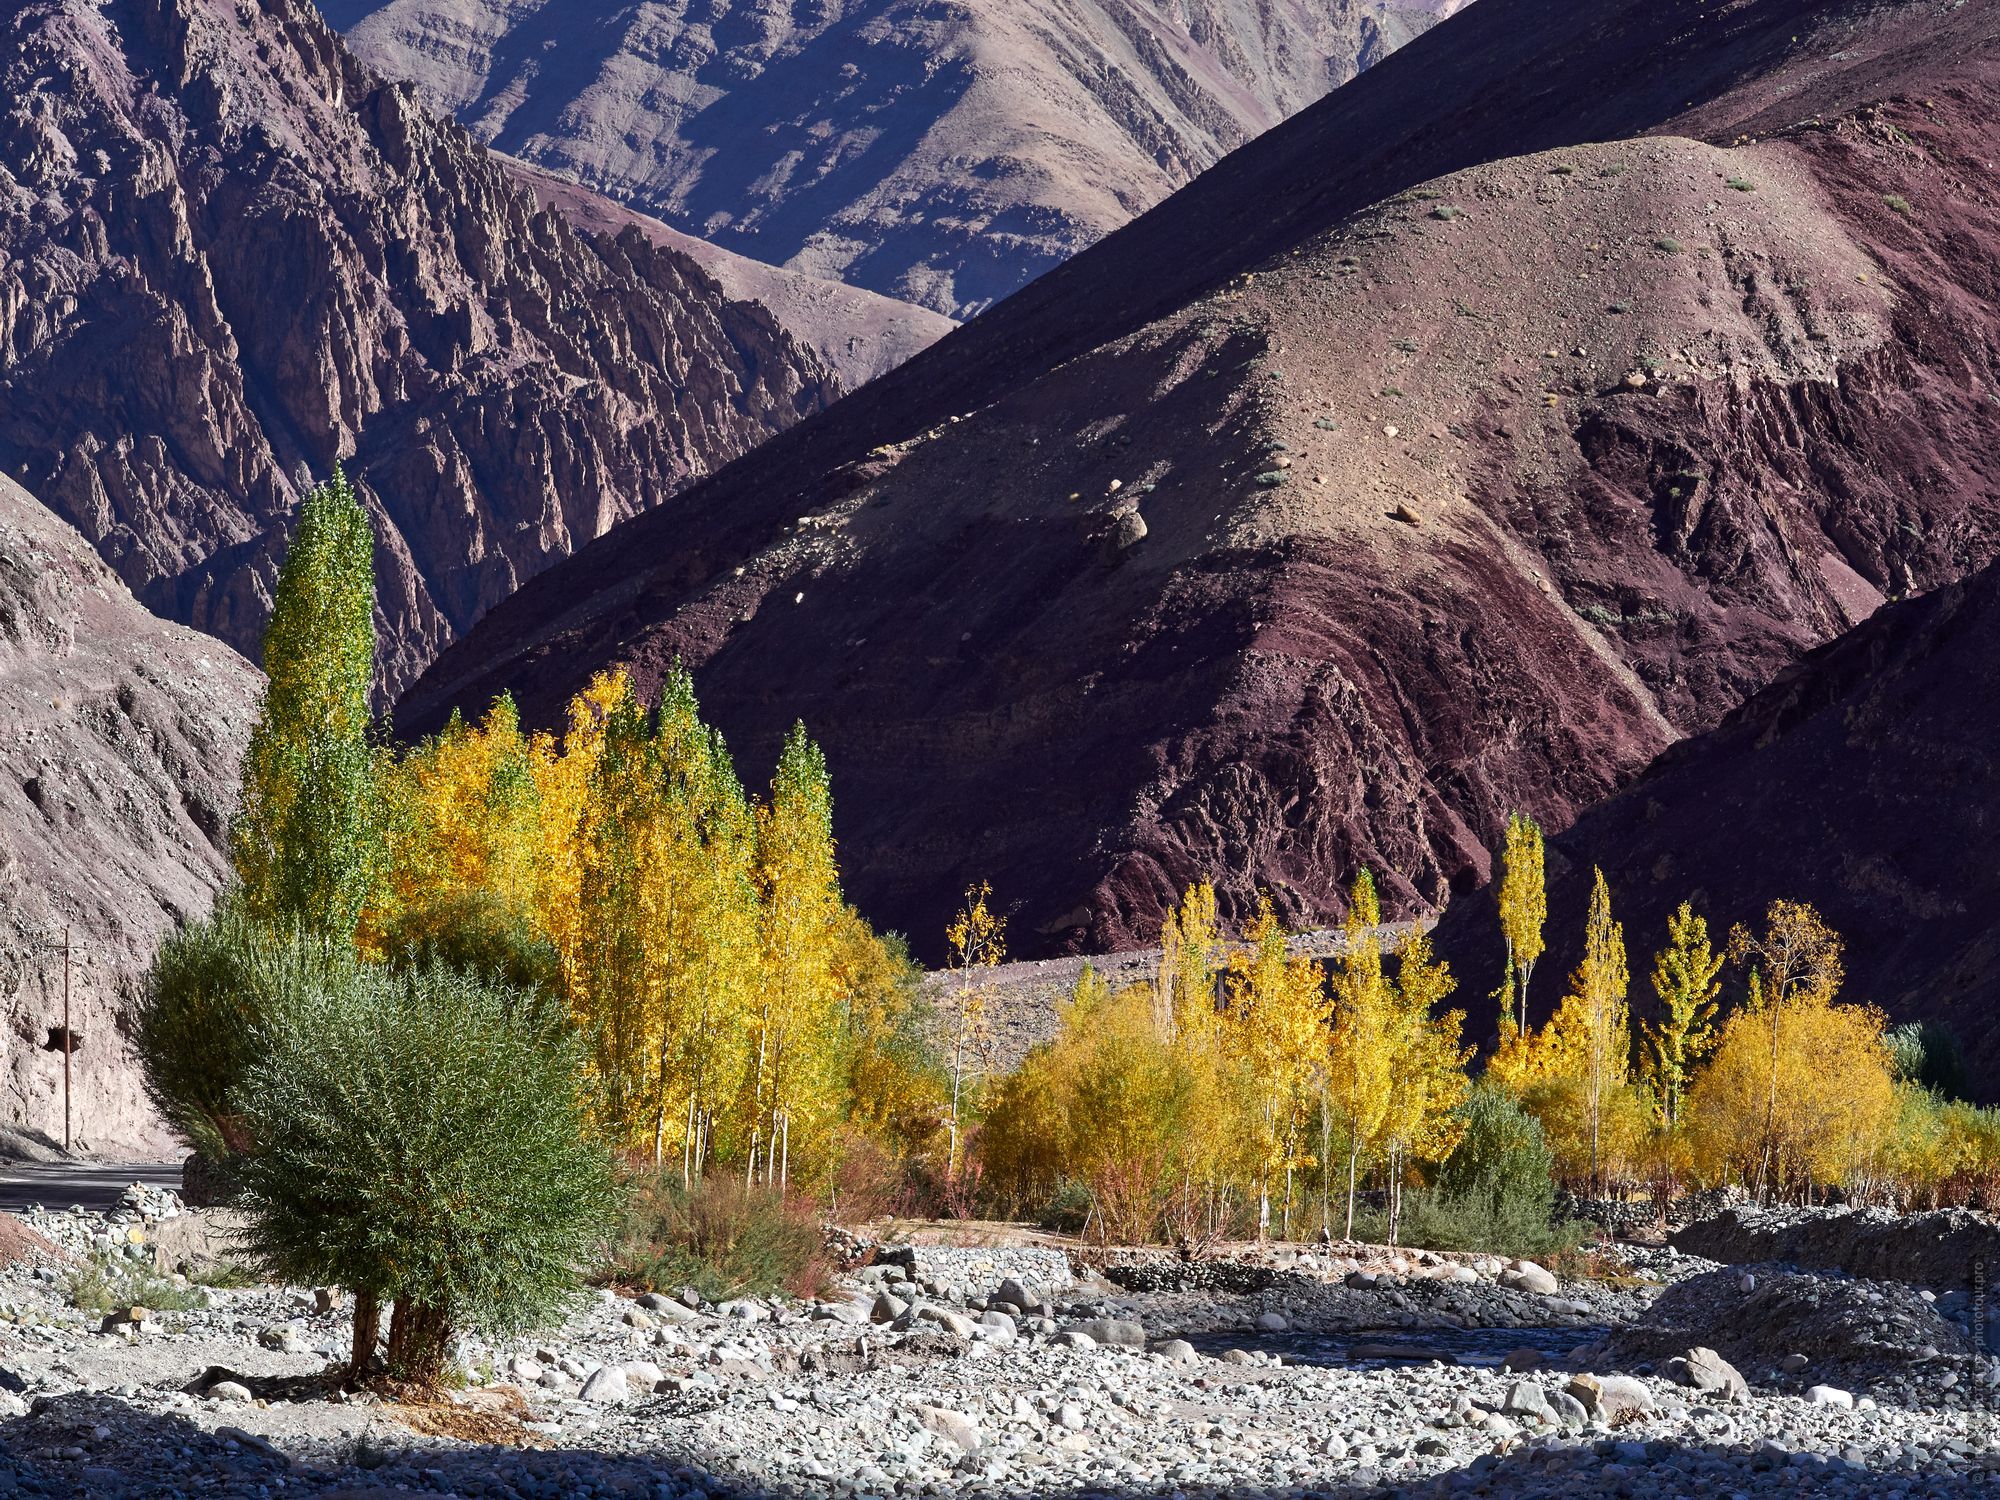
x=1391, y=1378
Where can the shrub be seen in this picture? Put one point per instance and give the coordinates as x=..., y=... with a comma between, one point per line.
x=103, y=1284
x=1741, y=185
x=203, y=1013
x=1668, y=245
x=477, y=933
x=1928, y=1054
x=720, y=1237
x=420, y=1139
x=1897, y=202
x=1493, y=1192
x=1432, y=1220
x=1501, y=1157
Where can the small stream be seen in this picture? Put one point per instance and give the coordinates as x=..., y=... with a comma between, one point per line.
x=1385, y=1347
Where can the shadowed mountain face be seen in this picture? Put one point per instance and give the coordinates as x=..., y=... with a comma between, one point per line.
x=939, y=152
x=229, y=254
x=1473, y=465
x=118, y=762
x=1862, y=781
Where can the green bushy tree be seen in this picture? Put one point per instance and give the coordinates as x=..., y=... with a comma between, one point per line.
x=420, y=1139
x=205, y=1010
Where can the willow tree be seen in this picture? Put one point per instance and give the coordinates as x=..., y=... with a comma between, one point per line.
x=306, y=842
x=1800, y=958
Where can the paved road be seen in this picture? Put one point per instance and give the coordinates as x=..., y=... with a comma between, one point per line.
x=94, y=1184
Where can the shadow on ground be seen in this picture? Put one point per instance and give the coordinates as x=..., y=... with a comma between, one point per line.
x=98, y=1446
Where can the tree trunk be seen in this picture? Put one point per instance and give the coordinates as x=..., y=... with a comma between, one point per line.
x=367, y=1330
x=419, y=1341
x=1353, y=1152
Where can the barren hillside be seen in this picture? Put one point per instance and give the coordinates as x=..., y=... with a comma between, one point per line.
x=1464, y=486
x=938, y=152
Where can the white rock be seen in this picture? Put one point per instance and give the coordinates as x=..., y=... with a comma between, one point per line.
x=953, y=1426
x=607, y=1386
x=1271, y=1322
x=1827, y=1395
x=228, y=1390
x=1069, y=1417
x=642, y=1376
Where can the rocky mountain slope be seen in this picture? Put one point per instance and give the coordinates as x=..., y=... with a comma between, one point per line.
x=859, y=333
x=120, y=737
x=230, y=254
x=1862, y=781
x=938, y=152
x=1422, y=462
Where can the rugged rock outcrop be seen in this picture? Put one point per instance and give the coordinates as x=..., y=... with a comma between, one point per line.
x=1476, y=464
x=941, y=153
x=860, y=334
x=230, y=254
x=120, y=737
x=1862, y=781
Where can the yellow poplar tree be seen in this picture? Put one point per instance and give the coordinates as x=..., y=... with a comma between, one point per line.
x=1800, y=958
x=799, y=1019
x=1359, y=1055
x=1276, y=1010
x=1524, y=908
x=1427, y=1080
x=976, y=943
x=1684, y=979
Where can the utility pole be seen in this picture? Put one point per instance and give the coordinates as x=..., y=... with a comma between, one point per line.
x=68, y=1041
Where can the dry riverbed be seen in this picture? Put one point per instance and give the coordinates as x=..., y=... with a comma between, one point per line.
x=998, y=1372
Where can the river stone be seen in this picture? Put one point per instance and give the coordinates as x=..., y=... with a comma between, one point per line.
x=953, y=1426
x=1708, y=1371
x=1612, y=1398
x=607, y=1386
x=1120, y=1332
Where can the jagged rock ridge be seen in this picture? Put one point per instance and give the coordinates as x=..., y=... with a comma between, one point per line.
x=937, y=152
x=229, y=254
x=1472, y=466
x=120, y=739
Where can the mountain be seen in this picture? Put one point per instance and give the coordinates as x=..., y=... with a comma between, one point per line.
x=230, y=254
x=1454, y=447
x=939, y=152
x=120, y=737
x=1862, y=780
x=860, y=334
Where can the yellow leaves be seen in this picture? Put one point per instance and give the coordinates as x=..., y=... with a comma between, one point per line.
x=976, y=940
x=1524, y=907
x=1684, y=980
x=1819, y=1115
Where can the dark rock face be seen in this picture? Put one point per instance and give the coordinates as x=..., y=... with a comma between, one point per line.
x=228, y=254
x=944, y=154
x=1447, y=513
x=120, y=738
x=1862, y=781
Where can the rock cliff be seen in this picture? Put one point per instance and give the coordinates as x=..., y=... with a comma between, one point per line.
x=230, y=256
x=120, y=737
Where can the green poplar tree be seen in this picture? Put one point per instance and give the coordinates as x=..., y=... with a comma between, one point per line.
x=305, y=839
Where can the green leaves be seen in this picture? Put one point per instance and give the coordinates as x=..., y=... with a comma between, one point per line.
x=420, y=1137
x=306, y=843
